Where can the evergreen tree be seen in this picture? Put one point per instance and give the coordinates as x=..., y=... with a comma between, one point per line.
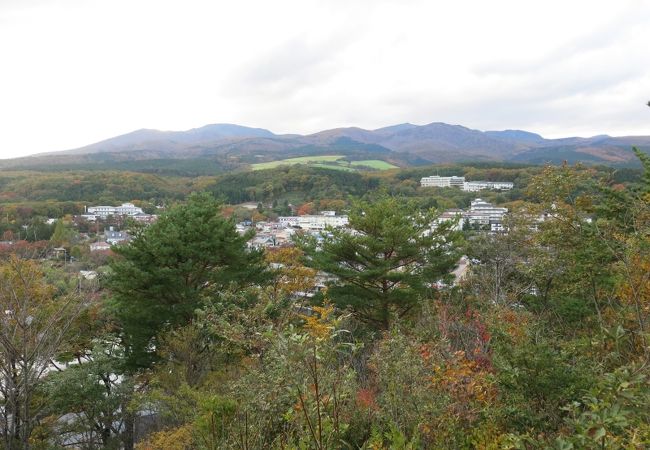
x=164, y=274
x=388, y=262
x=645, y=162
x=63, y=235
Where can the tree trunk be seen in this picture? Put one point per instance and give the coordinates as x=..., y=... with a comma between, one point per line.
x=128, y=437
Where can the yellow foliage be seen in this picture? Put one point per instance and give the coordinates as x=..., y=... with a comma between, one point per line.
x=293, y=276
x=321, y=324
x=634, y=290
x=180, y=438
x=636, y=286
x=23, y=279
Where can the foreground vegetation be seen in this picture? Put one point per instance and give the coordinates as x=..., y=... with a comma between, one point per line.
x=190, y=340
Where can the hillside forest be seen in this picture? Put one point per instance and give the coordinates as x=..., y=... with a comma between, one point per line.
x=363, y=337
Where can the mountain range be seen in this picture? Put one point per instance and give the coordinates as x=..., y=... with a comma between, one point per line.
x=228, y=146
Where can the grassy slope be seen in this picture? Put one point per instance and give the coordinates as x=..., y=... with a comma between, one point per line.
x=334, y=167
x=300, y=160
x=327, y=162
x=374, y=164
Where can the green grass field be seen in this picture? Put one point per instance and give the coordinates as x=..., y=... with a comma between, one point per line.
x=335, y=167
x=327, y=162
x=301, y=160
x=375, y=164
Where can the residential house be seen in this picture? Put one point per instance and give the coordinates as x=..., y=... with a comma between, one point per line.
x=115, y=237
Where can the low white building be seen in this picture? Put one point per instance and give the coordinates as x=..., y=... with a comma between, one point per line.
x=125, y=209
x=144, y=218
x=99, y=246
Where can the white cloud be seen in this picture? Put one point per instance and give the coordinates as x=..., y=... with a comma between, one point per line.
x=75, y=71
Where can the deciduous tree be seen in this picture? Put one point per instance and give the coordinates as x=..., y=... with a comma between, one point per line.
x=33, y=326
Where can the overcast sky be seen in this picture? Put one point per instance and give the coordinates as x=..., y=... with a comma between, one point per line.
x=73, y=72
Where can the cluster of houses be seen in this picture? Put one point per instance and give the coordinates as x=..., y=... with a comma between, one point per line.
x=268, y=234
x=480, y=215
x=280, y=232
x=469, y=186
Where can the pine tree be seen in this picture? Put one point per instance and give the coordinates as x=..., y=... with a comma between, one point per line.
x=388, y=262
x=171, y=267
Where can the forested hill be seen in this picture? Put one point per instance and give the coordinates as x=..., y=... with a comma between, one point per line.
x=225, y=147
x=51, y=194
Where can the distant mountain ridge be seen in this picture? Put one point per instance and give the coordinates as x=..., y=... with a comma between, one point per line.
x=234, y=146
x=516, y=136
x=148, y=139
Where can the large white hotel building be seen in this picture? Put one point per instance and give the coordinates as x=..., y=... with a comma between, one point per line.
x=125, y=209
x=470, y=186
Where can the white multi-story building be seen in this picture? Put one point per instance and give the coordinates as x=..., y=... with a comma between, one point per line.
x=474, y=186
x=437, y=181
x=484, y=213
x=480, y=213
x=125, y=209
x=315, y=222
